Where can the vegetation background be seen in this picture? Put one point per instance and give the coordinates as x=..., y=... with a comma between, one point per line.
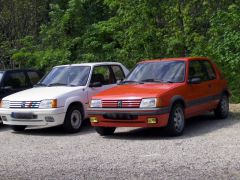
x=44, y=33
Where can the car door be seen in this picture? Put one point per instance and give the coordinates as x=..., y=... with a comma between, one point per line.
x=213, y=84
x=198, y=94
x=102, y=78
x=14, y=81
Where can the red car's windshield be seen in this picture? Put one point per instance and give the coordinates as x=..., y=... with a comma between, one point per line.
x=162, y=71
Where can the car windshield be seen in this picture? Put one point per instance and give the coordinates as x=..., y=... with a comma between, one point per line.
x=66, y=76
x=161, y=71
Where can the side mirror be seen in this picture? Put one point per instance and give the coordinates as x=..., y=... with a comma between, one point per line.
x=196, y=80
x=95, y=84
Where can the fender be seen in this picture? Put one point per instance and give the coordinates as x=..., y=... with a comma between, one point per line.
x=177, y=98
x=73, y=99
x=226, y=91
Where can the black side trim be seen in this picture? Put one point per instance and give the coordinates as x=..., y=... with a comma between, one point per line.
x=203, y=100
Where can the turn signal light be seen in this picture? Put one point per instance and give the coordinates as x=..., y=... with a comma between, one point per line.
x=54, y=103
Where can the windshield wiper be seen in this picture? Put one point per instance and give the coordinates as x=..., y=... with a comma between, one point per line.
x=124, y=82
x=151, y=80
x=169, y=81
x=73, y=85
x=39, y=84
x=57, y=84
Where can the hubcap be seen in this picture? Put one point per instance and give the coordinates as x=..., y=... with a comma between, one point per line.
x=76, y=119
x=178, y=119
x=224, y=105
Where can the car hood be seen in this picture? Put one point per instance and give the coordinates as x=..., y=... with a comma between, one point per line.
x=136, y=91
x=41, y=93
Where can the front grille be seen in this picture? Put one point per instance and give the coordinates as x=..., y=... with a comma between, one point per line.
x=119, y=116
x=130, y=103
x=24, y=104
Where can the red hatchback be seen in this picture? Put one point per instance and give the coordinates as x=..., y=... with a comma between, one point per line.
x=161, y=93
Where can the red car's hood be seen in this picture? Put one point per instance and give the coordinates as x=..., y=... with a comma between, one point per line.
x=135, y=91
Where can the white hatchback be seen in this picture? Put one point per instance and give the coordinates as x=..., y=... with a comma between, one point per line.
x=61, y=97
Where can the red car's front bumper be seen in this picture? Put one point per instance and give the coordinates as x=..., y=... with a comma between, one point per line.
x=129, y=117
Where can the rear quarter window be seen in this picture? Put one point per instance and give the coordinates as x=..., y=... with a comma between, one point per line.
x=210, y=70
x=118, y=72
x=33, y=77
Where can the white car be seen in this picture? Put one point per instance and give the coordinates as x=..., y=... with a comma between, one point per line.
x=61, y=97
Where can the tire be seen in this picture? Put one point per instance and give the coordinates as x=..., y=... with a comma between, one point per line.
x=222, y=110
x=18, y=128
x=105, y=131
x=176, y=121
x=73, y=119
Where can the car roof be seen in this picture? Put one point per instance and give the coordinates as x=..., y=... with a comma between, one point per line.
x=176, y=59
x=13, y=70
x=91, y=64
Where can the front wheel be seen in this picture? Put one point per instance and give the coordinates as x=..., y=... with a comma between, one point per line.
x=18, y=128
x=73, y=119
x=222, y=109
x=105, y=131
x=176, y=122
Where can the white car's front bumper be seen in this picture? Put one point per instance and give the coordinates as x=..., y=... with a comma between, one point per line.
x=40, y=117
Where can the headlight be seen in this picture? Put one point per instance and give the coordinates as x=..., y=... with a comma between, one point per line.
x=150, y=102
x=96, y=103
x=5, y=104
x=48, y=103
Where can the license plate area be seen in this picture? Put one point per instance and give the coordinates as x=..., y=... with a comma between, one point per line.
x=120, y=116
x=17, y=115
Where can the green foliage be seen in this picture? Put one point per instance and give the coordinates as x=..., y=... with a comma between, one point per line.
x=224, y=45
x=126, y=31
x=19, y=18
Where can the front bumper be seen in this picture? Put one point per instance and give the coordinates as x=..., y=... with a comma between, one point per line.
x=40, y=117
x=129, y=117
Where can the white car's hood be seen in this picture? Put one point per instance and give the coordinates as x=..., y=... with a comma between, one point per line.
x=41, y=93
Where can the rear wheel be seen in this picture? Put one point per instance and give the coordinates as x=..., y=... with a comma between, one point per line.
x=222, y=109
x=73, y=119
x=176, y=122
x=105, y=131
x=18, y=128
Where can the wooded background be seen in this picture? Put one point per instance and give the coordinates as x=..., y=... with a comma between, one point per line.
x=45, y=33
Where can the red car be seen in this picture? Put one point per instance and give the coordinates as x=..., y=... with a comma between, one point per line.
x=162, y=93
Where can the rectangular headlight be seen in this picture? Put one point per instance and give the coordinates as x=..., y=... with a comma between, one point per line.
x=48, y=103
x=96, y=103
x=149, y=102
x=5, y=104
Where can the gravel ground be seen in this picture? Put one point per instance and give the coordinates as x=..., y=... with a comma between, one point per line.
x=209, y=149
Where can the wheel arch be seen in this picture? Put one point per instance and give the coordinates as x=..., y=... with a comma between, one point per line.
x=77, y=103
x=226, y=92
x=177, y=99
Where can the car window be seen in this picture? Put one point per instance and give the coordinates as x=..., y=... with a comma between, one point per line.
x=67, y=76
x=117, y=70
x=197, y=70
x=209, y=70
x=162, y=71
x=15, y=80
x=33, y=77
x=103, y=75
